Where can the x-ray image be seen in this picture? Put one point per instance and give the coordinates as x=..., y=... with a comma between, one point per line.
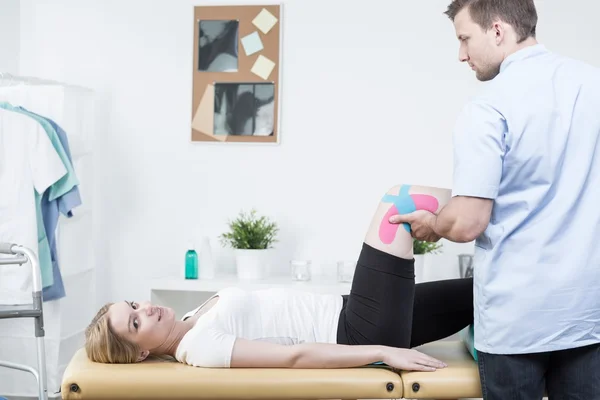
x=244, y=109
x=218, y=46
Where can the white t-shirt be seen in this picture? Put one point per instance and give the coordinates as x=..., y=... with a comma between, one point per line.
x=283, y=316
x=28, y=162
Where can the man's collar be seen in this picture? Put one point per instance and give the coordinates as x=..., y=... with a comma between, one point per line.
x=524, y=53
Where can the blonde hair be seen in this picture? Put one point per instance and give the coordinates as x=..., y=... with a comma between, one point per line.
x=103, y=345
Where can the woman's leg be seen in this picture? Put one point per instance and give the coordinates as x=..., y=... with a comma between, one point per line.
x=441, y=308
x=383, y=298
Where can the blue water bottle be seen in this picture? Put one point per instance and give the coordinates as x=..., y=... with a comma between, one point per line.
x=191, y=263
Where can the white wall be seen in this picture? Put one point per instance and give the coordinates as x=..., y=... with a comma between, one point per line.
x=370, y=95
x=9, y=36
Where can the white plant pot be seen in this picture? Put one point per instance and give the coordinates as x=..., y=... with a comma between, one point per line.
x=251, y=264
x=419, y=268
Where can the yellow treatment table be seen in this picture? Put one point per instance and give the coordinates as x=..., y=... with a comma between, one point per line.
x=166, y=380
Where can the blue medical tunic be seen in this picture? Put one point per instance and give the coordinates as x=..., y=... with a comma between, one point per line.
x=531, y=142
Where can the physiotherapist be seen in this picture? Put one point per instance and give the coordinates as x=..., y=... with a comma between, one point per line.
x=527, y=190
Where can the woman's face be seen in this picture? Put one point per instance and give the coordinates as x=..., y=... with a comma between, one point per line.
x=144, y=324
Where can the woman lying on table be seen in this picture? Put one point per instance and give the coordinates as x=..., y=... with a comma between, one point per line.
x=385, y=315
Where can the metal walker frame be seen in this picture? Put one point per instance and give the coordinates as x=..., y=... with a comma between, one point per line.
x=34, y=310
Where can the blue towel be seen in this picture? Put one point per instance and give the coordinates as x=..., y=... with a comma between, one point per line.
x=67, y=198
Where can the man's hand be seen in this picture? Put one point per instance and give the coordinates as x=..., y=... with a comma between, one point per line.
x=421, y=224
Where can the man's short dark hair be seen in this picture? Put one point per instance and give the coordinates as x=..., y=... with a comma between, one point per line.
x=520, y=14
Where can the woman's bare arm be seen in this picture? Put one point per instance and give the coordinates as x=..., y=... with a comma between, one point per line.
x=258, y=354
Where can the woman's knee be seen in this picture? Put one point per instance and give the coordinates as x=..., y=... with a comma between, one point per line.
x=402, y=199
x=407, y=198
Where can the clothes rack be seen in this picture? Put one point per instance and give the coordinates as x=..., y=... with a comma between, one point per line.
x=65, y=316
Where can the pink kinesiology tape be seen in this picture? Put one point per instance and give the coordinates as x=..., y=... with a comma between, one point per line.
x=387, y=230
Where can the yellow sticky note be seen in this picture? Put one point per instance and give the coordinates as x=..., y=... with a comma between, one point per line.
x=263, y=67
x=264, y=21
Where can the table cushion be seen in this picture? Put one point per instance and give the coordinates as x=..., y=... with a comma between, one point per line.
x=157, y=379
x=460, y=379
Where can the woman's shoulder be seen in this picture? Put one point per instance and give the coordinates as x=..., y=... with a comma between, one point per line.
x=206, y=346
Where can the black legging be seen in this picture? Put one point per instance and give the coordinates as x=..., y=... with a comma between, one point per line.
x=386, y=307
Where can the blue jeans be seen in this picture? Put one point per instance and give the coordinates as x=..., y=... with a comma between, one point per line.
x=572, y=374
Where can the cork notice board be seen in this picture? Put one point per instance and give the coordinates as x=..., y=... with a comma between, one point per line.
x=236, y=74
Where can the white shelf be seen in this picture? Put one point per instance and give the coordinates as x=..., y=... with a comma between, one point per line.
x=178, y=284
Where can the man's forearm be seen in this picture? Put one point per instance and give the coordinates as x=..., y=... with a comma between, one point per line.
x=453, y=226
x=444, y=226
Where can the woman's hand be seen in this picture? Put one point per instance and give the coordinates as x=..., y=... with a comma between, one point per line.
x=410, y=360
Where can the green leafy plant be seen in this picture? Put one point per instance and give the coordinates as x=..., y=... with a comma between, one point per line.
x=250, y=231
x=421, y=247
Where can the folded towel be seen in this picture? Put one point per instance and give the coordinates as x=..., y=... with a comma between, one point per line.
x=467, y=336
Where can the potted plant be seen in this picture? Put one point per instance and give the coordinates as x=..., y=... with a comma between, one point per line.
x=420, y=250
x=251, y=236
